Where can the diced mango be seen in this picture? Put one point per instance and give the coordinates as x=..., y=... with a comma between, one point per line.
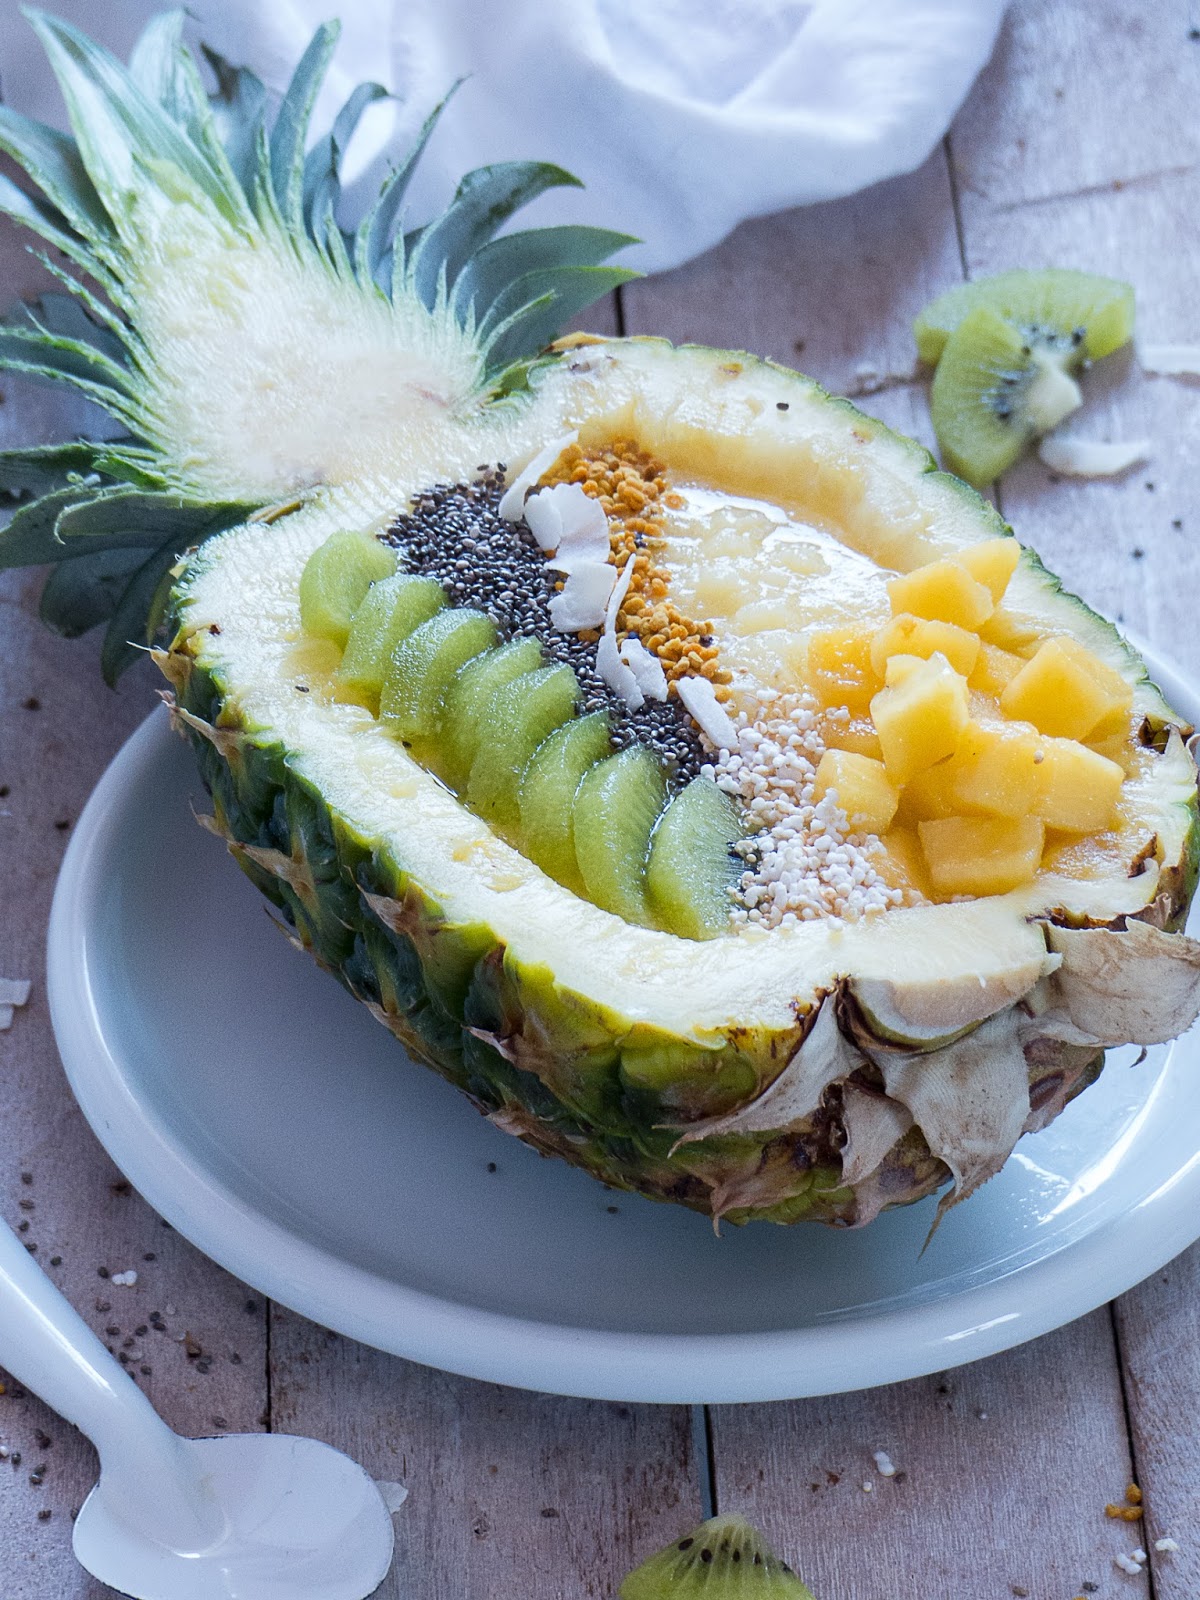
x=898, y=668
x=994, y=670
x=928, y=795
x=839, y=668
x=1077, y=788
x=992, y=563
x=864, y=791
x=996, y=770
x=840, y=731
x=942, y=591
x=1065, y=690
x=901, y=862
x=1116, y=746
x=981, y=855
x=920, y=716
x=916, y=636
x=1012, y=631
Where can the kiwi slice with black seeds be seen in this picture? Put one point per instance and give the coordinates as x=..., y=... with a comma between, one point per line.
x=1008, y=349
x=723, y=1559
x=994, y=392
x=1080, y=311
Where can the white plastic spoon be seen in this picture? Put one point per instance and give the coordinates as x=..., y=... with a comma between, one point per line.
x=252, y=1516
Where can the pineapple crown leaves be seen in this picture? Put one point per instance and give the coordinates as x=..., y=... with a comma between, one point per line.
x=112, y=515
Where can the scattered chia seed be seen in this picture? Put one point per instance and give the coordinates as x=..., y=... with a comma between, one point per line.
x=454, y=533
x=56, y=1261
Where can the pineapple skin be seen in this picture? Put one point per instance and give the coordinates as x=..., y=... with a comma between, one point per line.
x=540, y=1062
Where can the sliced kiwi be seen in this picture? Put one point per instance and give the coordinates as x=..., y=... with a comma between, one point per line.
x=335, y=581
x=690, y=869
x=547, y=795
x=616, y=807
x=1092, y=314
x=517, y=718
x=390, y=611
x=723, y=1559
x=423, y=666
x=993, y=392
x=464, y=717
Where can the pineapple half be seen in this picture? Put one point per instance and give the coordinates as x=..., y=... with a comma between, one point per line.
x=276, y=380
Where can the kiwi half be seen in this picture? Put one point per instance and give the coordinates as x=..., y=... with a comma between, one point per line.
x=1053, y=305
x=1007, y=350
x=723, y=1559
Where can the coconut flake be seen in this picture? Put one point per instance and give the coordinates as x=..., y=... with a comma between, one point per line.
x=1092, y=458
x=565, y=519
x=512, y=502
x=1170, y=360
x=619, y=678
x=883, y=1464
x=124, y=1280
x=582, y=516
x=13, y=992
x=1167, y=1545
x=392, y=1494
x=646, y=668
x=581, y=604
x=543, y=519
x=700, y=700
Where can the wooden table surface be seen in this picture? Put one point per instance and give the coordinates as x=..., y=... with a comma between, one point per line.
x=1078, y=147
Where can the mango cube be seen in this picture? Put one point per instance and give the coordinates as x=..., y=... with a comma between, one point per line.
x=839, y=668
x=900, y=862
x=921, y=716
x=981, y=855
x=997, y=770
x=916, y=636
x=942, y=591
x=1066, y=691
x=864, y=791
x=992, y=563
x=1078, y=787
x=840, y=731
x=994, y=670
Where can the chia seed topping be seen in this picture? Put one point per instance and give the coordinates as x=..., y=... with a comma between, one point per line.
x=454, y=533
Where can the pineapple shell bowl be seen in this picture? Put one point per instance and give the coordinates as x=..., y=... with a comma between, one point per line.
x=663, y=751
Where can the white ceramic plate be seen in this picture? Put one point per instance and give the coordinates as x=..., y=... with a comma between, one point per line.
x=274, y=1123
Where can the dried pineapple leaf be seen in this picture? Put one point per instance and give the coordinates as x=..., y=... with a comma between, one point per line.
x=970, y=1100
x=823, y=1056
x=1139, y=986
x=874, y=1123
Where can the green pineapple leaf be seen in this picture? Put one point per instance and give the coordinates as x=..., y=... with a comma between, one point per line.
x=53, y=161
x=498, y=266
x=484, y=200
x=82, y=593
x=322, y=175
x=373, y=239
x=136, y=614
x=121, y=132
x=43, y=467
x=290, y=132
x=239, y=109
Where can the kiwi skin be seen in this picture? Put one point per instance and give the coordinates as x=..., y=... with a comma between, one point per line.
x=725, y=1558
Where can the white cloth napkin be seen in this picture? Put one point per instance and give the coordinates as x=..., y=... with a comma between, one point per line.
x=681, y=116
